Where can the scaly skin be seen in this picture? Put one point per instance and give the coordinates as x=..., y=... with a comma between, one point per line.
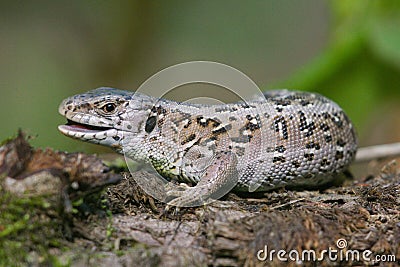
x=290, y=138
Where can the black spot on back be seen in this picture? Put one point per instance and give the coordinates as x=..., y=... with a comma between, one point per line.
x=281, y=120
x=340, y=142
x=188, y=139
x=325, y=162
x=339, y=155
x=328, y=138
x=296, y=164
x=278, y=159
x=309, y=156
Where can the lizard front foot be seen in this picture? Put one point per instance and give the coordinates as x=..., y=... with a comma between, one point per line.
x=186, y=196
x=218, y=179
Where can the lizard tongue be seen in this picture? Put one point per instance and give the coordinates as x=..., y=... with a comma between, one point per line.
x=76, y=128
x=72, y=126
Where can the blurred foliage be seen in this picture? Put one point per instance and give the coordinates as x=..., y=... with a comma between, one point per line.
x=346, y=50
x=53, y=49
x=360, y=68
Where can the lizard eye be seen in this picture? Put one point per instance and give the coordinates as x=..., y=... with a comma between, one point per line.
x=109, y=108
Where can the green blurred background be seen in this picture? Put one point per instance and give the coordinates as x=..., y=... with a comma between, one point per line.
x=346, y=50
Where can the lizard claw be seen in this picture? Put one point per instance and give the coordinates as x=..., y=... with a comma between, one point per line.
x=190, y=196
x=173, y=190
x=221, y=176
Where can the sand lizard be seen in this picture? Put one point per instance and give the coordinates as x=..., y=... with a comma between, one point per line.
x=288, y=139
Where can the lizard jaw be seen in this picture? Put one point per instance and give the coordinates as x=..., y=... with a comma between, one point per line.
x=94, y=134
x=73, y=126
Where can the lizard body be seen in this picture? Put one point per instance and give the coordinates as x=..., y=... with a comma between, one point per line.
x=290, y=138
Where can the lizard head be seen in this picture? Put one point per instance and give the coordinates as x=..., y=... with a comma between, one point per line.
x=105, y=116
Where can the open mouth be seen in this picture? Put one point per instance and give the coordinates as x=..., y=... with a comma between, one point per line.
x=83, y=128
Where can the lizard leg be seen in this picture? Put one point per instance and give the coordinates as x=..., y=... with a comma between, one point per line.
x=218, y=179
x=174, y=190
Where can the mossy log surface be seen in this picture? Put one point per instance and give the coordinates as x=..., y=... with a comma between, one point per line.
x=70, y=209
